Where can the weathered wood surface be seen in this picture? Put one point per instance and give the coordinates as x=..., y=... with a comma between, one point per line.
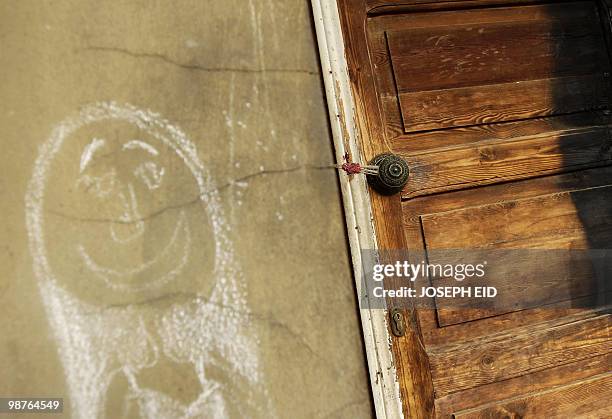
x=537, y=382
x=511, y=64
x=502, y=161
x=520, y=351
x=588, y=398
x=512, y=45
x=502, y=115
x=510, y=101
x=414, y=376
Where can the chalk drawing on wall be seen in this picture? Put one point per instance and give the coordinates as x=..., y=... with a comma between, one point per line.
x=126, y=177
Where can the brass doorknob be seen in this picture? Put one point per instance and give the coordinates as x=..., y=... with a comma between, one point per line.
x=393, y=173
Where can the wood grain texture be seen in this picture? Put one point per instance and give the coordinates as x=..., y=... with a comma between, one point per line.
x=546, y=137
x=523, y=278
x=546, y=222
x=589, y=398
x=510, y=101
x=493, y=195
x=380, y=7
x=537, y=382
x=519, y=352
x=569, y=42
x=477, y=73
x=503, y=161
x=414, y=373
x=476, y=135
x=379, y=26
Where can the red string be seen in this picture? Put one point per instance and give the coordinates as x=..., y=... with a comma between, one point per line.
x=351, y=168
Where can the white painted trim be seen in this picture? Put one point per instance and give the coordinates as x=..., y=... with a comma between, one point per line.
x=357, y=205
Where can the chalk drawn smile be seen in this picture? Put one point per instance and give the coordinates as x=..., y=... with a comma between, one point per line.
x=113, y=187
x=180, y=243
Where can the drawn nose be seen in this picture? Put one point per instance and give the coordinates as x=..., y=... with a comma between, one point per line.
x=129, y=225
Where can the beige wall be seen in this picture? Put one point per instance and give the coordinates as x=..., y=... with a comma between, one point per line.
x=126, y=286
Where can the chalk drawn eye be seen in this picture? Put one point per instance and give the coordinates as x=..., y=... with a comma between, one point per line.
x=150, y=174
x=100, y=186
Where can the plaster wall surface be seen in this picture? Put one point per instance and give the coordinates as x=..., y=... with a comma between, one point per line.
x=172, y=244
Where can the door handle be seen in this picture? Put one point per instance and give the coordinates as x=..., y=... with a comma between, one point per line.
x=393, y=174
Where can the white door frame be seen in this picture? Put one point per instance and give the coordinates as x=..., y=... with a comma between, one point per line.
x=357, y=205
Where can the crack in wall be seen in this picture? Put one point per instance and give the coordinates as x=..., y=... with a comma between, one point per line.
x=194, y=200
x=197, y=67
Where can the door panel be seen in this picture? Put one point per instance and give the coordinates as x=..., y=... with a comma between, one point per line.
x=506, y=355
x=583, y=398
x=536, y=383
x=555, y=127
x=553, y=271
x=539, y=217
x=549, y=221
x=506, y=160
x=510, y=101
x=492, y=47
x=502, y=111
x=511, y=64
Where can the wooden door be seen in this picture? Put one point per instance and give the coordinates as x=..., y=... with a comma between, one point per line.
x=502, y=111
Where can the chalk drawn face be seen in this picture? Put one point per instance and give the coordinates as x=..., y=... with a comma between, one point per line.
x=136, y=270
x=126, y=216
